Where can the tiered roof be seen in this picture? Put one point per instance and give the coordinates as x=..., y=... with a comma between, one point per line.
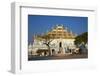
x=57, y=32
x=61, y=32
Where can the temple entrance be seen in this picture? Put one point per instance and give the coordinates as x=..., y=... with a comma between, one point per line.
x=53, y=52
x=60, y=44
x=60, y=48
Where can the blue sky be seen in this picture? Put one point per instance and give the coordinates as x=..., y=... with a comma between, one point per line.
x=38, y=24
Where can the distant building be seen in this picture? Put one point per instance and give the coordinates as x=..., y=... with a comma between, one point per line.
x=62, y=40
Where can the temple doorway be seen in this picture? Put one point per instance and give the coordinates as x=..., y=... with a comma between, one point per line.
x=60, y=48
x=60, y=44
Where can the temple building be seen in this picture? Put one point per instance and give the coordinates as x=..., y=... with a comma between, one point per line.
x=61, y=38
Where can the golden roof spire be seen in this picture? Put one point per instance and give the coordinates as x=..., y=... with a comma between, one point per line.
x=59, y=31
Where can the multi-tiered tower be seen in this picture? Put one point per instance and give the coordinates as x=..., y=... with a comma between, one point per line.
x=62, y=39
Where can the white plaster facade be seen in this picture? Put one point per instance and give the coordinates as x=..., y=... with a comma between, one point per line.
x=57, y=44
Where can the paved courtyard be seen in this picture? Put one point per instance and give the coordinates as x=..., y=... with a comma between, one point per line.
x=71, y=56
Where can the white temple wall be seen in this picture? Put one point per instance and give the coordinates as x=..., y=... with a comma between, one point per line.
x=65, y=43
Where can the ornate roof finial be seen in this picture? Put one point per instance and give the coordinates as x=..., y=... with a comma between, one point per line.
x=62, y=25
x=52, y=28
x=71, y=32
x=56, y=25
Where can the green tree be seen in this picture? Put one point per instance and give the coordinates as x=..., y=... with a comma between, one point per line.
x=81, y=38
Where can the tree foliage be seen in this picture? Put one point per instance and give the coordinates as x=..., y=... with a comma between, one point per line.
x=81, y=38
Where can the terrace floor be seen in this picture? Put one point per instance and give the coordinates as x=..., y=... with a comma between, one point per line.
x=55, y=57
